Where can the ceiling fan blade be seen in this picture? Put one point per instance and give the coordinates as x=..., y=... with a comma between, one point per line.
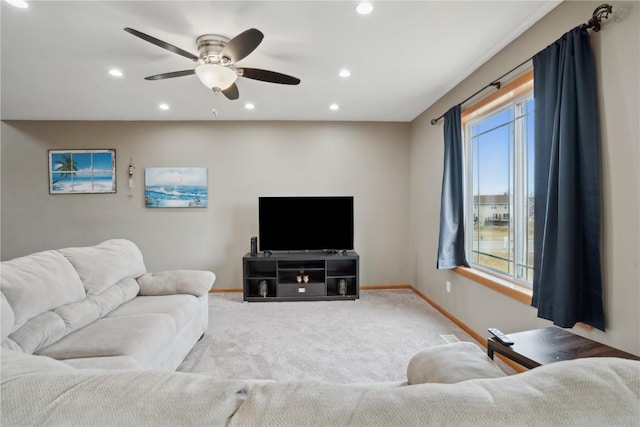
x=162, y=44
x=268, y=76
x=231, y=92
x=242, y=45
x=171, y=75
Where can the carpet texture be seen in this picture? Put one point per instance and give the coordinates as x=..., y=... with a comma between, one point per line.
x=368, y=340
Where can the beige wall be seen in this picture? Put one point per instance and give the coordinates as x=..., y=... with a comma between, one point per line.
x=244, y=160
x=617, y=55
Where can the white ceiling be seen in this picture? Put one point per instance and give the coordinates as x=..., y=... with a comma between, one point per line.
x=403, y=57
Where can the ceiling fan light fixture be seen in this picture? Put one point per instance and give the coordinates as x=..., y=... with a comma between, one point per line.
x=216, y=76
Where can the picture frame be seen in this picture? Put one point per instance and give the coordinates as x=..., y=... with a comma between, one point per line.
x=176, y=187
x=82, y=171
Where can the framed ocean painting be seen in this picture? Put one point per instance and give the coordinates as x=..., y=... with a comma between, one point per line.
x=82, y=171
x=175, y=187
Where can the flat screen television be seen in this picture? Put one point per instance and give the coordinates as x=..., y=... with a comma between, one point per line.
x=305, y=223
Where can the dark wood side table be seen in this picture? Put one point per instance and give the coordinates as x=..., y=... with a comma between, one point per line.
x=547, y=345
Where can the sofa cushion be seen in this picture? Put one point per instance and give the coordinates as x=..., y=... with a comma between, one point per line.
x=107, y=263
x=37, y=283
x=140, y=336
x=83, y=312
x=181, y=308
x=81, y=397
x=451, y=363
x=39, y=331
x=115, y=295
x=191, y=282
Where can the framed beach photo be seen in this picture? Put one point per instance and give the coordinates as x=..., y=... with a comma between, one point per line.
x=175, y=187
x=82, y=171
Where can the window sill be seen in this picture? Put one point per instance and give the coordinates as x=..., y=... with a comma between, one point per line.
x=503, y=286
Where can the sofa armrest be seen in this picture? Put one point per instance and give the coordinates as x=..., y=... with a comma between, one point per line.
x=192, y=282
x=451, y=363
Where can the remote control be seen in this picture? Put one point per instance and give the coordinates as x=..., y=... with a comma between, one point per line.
x=500, y=336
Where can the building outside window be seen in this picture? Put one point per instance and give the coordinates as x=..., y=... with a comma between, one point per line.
x=499, y=190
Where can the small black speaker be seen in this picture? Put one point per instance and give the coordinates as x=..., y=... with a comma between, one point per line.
x=254, y=246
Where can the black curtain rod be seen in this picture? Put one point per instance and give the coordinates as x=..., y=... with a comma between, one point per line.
x=496, y=83
x=601, y=12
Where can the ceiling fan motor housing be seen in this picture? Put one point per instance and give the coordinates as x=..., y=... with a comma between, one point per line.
x=209, y=48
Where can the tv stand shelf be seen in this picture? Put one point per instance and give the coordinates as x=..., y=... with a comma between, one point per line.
x=301, y=276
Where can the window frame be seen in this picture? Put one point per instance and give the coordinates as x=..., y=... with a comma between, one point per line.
x=518, y=88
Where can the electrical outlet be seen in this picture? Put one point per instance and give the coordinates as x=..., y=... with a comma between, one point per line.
x=448, y=284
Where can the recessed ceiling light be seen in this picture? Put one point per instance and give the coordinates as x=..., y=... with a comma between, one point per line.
x=334, y=107
x=163, y=106
x=364, y=8
x=249, y=106
x=115, y=72
x=344, y=73
x=18, y=3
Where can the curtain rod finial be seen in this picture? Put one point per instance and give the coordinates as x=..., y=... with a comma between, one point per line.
x=600, y=13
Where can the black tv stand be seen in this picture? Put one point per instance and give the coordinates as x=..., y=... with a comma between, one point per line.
x=301, y=276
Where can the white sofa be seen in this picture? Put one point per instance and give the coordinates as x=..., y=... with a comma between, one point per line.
x=38, y=390
x=89, y=338
x=97, y=307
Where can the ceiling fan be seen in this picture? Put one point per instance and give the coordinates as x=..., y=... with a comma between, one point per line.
x=217, y=60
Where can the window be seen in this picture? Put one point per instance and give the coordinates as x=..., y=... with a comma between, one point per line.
x=498, y=134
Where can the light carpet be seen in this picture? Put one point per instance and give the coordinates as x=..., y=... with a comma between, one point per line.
x=368, y=340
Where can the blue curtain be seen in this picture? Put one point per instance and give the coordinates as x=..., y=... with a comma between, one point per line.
x=451, y=242
x=567, y=282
